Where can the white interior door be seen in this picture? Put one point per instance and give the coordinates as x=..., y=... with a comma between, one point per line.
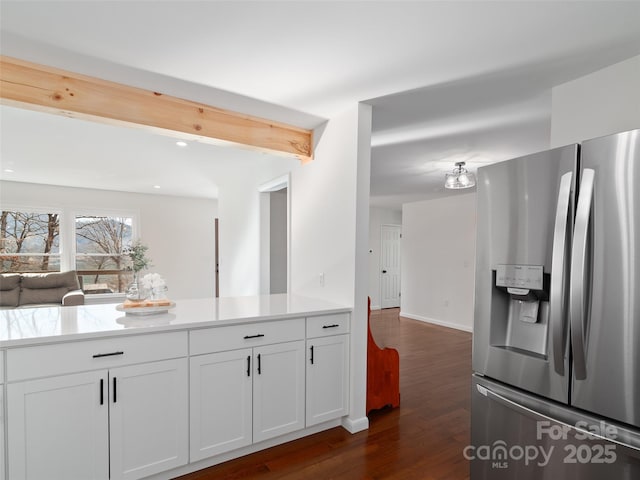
x=390, y=236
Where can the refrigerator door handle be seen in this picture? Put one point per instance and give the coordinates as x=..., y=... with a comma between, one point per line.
x=529, y=412
x=578, y=268
x=559, y=270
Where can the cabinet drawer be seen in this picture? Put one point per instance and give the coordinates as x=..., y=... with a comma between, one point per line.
x=325, y=325
x=219, y=339
x=62, y=358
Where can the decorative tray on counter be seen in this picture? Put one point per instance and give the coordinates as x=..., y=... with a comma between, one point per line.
x=145, y=307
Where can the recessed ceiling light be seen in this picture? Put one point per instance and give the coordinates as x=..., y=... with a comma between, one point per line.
x=181, y=143
x=8, y=170
x=156, y=186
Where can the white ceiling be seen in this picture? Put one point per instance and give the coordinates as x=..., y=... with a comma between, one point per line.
x=79, y=153
x=448, y=80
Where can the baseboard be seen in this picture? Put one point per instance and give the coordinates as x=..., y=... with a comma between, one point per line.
x=240, y=452
x=375, y=307
x=441, y=323
x=355, y=425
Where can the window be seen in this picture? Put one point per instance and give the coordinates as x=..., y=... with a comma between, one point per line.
x=29, y=241
x=38, y=241
x=101, y=261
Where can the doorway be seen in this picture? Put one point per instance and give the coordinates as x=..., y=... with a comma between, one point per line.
x=390, y=236
x=278, y=241
x=275, y=201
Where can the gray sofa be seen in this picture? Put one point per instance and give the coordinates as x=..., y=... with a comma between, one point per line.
x=37, y=289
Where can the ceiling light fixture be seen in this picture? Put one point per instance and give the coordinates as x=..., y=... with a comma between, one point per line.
x=156, y=186
x=459, y=178
x=181, y=143
x=8, y=170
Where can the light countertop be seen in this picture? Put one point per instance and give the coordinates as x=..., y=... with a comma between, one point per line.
x=31, y=326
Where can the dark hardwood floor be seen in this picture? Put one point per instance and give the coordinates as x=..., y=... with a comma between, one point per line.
x=423, y=439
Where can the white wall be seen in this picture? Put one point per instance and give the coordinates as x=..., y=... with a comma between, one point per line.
x=179, y=231
x=378, y=217
x=323, y=211
x=357, y=418
x=438, y=260
x=604, y=102
x=239, y=235
x=329, y=225
x=240, y=231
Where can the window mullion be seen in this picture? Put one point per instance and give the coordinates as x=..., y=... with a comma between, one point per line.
x=67, y=242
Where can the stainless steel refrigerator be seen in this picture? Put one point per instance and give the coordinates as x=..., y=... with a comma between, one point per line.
x=556, y=343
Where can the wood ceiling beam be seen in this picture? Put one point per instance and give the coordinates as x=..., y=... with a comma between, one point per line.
x=56, y=91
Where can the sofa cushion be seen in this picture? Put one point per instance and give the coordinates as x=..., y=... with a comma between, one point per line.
x=67, y=280
x=9, y=289
x=9, y=281
x=29, y=296
x=10, y=298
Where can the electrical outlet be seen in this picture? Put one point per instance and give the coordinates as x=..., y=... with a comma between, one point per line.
x=322, y=279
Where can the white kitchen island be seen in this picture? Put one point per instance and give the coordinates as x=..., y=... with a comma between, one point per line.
x=92, y=393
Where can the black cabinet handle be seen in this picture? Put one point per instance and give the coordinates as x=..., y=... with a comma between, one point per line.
x=102, y=391
x=259, y=365
x=254, y=336
x=384, y=271
x=100, y=355
x=248, y=365
x=311, y=354
x=115, y=391
x=331, y=326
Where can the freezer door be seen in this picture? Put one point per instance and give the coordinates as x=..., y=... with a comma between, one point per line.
x=518, y=436
x=524, y=224
x=605, y=280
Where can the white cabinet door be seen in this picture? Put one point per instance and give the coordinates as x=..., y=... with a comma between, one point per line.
x=278, y=389
x=58, y=428
x=148, y=418
x=327, y=378
x=221, y=405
